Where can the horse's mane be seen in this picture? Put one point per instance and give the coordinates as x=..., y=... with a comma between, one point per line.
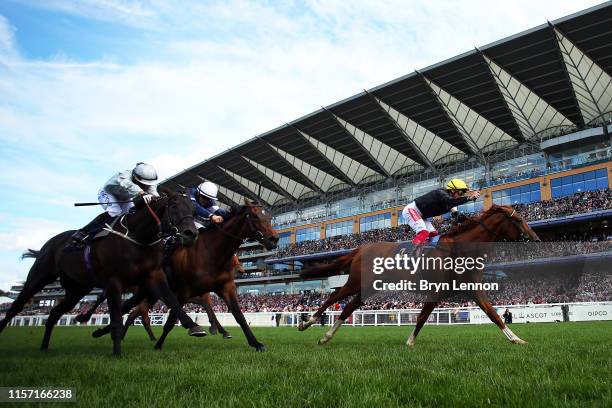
x=473, y=221
x=165, y=191
x=236, y=209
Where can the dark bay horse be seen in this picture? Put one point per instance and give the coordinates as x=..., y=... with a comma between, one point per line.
x=499, y=223
x=130, y=256
x=142, y=310
x=207, y=266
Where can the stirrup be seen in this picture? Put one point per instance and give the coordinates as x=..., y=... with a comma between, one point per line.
x=78, y=240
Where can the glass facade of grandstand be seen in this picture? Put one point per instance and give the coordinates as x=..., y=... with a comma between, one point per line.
x=284, y=239
x=307, y=234
x=506, y=171
x=377, y=221
x=339, y=228
x=577, y=183
x=525, y=194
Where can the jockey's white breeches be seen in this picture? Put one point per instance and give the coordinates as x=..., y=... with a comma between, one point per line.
x=412, y=215
x=115, y=209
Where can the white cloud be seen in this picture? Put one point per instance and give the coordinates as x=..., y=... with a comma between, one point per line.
x=24, y=232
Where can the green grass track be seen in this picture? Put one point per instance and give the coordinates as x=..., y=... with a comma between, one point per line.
x=564, y=364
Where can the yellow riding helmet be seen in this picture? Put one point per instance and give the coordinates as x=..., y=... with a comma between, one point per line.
x=457, y=185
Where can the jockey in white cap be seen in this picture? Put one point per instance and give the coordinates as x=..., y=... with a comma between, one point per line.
x=117, y=195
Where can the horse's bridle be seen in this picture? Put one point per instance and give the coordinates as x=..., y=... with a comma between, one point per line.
x=255, y=233
x=174, y=231
x=509, y=217
x=160, y=235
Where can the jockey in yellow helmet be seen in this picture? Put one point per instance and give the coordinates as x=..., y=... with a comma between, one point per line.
x=435, y=203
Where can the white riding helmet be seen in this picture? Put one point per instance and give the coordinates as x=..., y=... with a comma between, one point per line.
x=145, y=173
x=208, y=189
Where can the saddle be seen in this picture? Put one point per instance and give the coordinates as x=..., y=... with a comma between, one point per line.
x=104, y=232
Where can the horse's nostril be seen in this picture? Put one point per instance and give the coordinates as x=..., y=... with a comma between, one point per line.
x=188, y=233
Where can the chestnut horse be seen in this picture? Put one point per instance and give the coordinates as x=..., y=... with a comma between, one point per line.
x=499, y=223
x=129, y=256
x=207, y=266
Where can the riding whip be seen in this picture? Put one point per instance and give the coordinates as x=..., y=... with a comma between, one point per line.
x=112, y=202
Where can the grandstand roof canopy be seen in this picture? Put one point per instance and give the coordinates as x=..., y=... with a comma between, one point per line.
x=497, y=96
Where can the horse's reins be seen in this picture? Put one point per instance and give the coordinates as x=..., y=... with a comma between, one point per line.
x=127, y=230
x=238, y=238
x=506, y=216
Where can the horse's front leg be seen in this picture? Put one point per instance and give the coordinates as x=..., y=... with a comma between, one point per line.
x=215, y=325
x=229, y=295
x=113, y=294
x=125, y=308
x=428, y=307
x=160, y=288
x=483, y=301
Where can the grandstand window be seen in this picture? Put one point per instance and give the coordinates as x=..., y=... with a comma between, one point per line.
x=314, y=213
x=277, y=289
x=252, y=289
x=284, y=239
x=400, y=218
x=375, y=222
x=472, y=206
x=339, y=228
x=525, y=194
x=345, y=208
x=284, y=219
x=307, y=234
x=576, y=183
x=307, y=286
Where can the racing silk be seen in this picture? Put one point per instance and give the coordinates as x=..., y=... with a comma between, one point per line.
x=437, y=202
x=123, y=188
x=205, y=212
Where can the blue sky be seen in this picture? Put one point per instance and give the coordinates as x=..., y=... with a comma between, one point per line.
x=90, y=87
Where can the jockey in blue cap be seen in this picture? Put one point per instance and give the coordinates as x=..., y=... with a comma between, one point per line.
x=204, y=198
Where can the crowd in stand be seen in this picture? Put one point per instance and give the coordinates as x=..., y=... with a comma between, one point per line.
x=578, y=203
x=558, y=287
x=563, y=287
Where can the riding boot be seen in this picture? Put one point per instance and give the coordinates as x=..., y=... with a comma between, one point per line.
x=80, y=238
x=419, y=241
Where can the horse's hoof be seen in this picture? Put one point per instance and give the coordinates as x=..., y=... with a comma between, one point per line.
x=197, y=331
x=519, y=341
x=323, y=341
x=261, y=348
x=157, y=347
x=81, y=319
x=227, y=336
x=97, y=333
x=301, y=326
x=212, y=331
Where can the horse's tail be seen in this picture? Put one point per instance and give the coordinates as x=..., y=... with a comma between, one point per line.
x=30, y=253
x=325, y=270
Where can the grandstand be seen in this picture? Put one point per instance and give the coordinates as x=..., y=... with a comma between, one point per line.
x=527, y=120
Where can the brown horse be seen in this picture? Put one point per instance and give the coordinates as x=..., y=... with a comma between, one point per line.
x=142, y=310
x=207, y=266
x=129, y=256
x=499, y=223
